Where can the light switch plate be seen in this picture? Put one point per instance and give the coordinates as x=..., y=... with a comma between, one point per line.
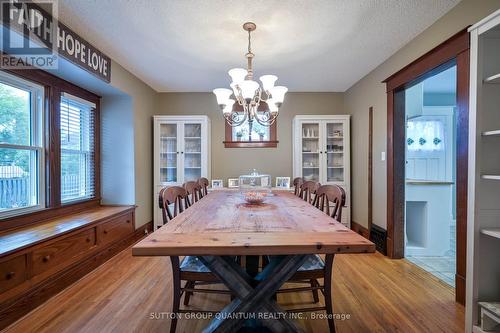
x=382, y=156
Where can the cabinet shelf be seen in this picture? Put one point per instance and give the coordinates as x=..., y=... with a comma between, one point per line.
x=494, y=79
x=493, y=232
x=492, y=177
x=192, y=137
x=321, y=152
x=168, y=137
x=491, y=133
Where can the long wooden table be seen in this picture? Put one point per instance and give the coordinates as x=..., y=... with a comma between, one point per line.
x=223, y=225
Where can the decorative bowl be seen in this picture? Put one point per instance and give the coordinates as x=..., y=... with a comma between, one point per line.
x=254, y=198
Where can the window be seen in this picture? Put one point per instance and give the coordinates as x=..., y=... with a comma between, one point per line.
x=77, y=148
x=256, y=133
x=21, y=146
x=425, y=135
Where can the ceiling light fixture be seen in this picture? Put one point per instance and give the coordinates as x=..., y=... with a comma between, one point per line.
x=249, y=94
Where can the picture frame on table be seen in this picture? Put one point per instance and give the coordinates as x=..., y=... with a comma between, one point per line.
x=283, y=182
x=217, y=183
x=233, y=182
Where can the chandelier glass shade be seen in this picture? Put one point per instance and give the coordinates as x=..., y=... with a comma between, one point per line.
x=249, y=94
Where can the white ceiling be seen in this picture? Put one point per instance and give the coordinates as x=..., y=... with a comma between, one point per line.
x=312, y=45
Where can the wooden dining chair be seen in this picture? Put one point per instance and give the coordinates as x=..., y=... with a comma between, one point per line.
x=204, y=185
x=190, y=269
x=315, y=268
x=308, y=191
x=328, y=194
x=296, y=184
x=193, y=190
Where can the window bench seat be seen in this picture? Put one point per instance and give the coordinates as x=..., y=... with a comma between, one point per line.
x=39, y=260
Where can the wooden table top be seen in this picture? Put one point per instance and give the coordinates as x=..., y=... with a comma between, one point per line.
x=223, y=224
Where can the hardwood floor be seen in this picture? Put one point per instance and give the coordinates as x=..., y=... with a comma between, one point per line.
x=129, y=294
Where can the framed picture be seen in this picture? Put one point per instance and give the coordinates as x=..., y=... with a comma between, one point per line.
x=283, y=182
x=233, y=182
x=217, y=183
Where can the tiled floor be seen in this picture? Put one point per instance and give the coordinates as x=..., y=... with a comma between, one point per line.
x=441, y=267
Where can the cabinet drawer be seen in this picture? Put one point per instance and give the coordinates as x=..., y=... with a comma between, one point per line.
x=61, y=253
x=114, y=230
x=12, y=272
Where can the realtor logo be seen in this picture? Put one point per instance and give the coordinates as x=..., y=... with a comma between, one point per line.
x=29, y=34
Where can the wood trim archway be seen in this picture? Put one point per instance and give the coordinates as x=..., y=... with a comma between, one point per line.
x=453, y=51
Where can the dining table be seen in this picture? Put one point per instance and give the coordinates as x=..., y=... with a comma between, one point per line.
x=284, y=228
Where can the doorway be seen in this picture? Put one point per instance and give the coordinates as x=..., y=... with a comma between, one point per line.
x=453, y=52
x=430, y=189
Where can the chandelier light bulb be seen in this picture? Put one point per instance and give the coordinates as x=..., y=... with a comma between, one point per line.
x=273, y=108
x=278, y=94
x=229, y=106
x=248, y=89
x=222, y=95
x=237, y=74
x=268, y=81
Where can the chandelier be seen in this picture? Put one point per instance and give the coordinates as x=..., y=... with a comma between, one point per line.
x=249, y=94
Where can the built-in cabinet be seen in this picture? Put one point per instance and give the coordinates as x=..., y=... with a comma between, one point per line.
x=483, y=234
x=321, y=152
x=181, y=153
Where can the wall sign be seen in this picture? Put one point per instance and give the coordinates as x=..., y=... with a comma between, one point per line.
x=45, y=39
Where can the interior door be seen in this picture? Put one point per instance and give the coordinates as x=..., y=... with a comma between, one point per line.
x=310, y=154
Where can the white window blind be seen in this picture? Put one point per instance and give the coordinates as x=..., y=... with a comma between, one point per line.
x=77, y=148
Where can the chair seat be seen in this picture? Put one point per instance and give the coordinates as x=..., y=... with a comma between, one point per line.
x=193, y=264
x=312, y=263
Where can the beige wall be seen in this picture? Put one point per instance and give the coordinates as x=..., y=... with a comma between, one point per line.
x=143, y=106
x=232, y=162
x=369, y=91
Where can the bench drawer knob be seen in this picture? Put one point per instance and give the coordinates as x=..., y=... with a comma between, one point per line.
x=10, y=275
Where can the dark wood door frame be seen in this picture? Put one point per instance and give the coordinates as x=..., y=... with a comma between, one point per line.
x=453, y=51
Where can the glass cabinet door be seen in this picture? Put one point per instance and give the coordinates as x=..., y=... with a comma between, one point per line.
x=310, y=151
x=192, y=151
x=168, y=153
x=335, y=152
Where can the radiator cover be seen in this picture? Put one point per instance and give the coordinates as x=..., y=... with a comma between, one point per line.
x=379, y=237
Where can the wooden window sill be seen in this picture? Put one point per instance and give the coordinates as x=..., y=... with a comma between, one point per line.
x=250, y=144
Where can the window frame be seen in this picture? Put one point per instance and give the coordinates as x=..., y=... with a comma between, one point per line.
x=271, y=143
x=53, y=88
x=93, y=107
x=37, y=129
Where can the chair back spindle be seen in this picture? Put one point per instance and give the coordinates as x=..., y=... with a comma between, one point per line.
x=193, y=190
x=175, y=195
x=297, y=182
x=203, y=182
x=308, y=191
